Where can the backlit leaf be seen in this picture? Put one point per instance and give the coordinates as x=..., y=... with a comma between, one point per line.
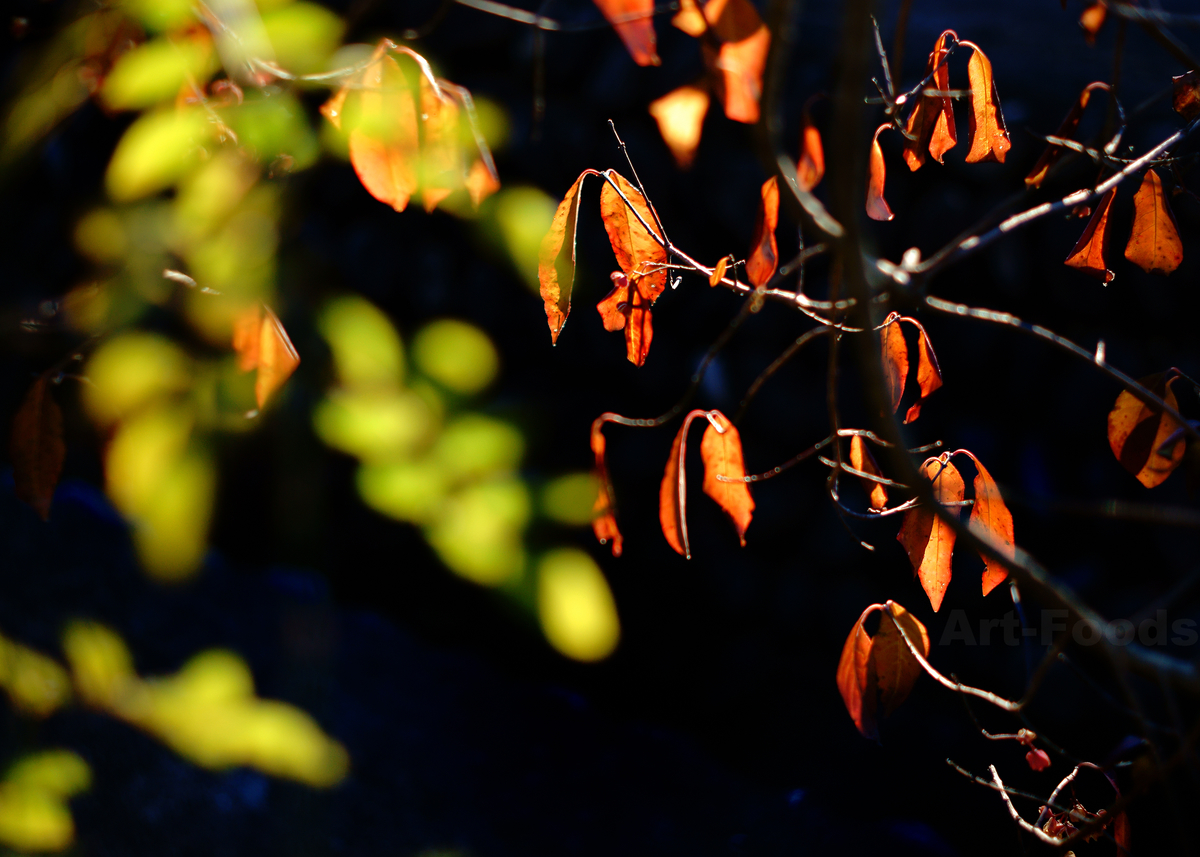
x=810, y=165
x=877, y=207
x=1037, y=758
x=1088, y=253
x=481, y=182
x=634, y=22
x=690, y=19
x=861, y=459
x=604, y=513
x=556, y=259
x=614, y=308
x=672, y=494
x=270, y=351
x=441, y=165
x=876, y=674
x=1154, y=244
x=637, y=251
x=384, y=142
x=993, y=522
x=895, y=360
x=36, y=447
x=1137, y=432
x=987, y=133
x=931, y=122
x=626, y=308
x=718, y=274
x=928, y=540
x=929, y=374
x=764, y=255
x=680, y=117
x=721, y=452
x=854, y=679
x=738, y=57
x=1065, y=130
x=895, y=668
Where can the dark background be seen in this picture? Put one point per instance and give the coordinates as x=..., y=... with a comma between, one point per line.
x=716, y=728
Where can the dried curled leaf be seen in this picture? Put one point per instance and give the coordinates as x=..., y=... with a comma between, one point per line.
x=735, y=51
x=993, y=522
x=1185, y=98
x=810, y=165
x=861, y=459
x=928, y=540
x=261, y=343
x=929, y=373
x=1088, y=252
x=894, y=351
x=876, y=674
x=680, y=117
x=672, y=494
x=36, y=447
x=626, y=308
x=931, y=122
x=987, y=133
x=1065, y=130
x=556, y=259
x=634, y=22
x=877, y=207
x=639, y=253
x=604, y=512
x=1137, y=432
x=1154, y=244
x=721, y=451
x=764, y=255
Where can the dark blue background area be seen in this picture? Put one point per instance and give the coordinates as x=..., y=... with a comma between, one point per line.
x=716, y=728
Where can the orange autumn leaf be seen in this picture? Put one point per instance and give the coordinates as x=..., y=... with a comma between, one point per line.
x=854, y=677
x=1154, y=244
x=879, y=672
x=929, y=373
x=861, y=459
x=481, y=181
x=718, y=272
x=634, y=22
x=680, y=117
x=1065, y=130
x=690, y=19
x=928, y=540
x=1092, y=20
x=270, y=352
x=36, y=447
x=639, y=328
x=895, y=358
x=735, y=51
x=672, y=494
x=1137, y=432
x=556, y=259
x=441, y=168
x=384, y=143
x=764, y=255
x=810, y=165
x=637, y=250
x=614, y=308
x=993, y=522
x=1088, y=252
x=931, y=122
x=987, y=133
x=604, y=512
x=721, y=452
x=877, y=207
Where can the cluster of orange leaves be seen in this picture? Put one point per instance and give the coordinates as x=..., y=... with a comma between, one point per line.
x=931, y=127
x=407, y=132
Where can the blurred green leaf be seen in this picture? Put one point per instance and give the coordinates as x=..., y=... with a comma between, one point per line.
x=155, y=152
x=456, y=354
